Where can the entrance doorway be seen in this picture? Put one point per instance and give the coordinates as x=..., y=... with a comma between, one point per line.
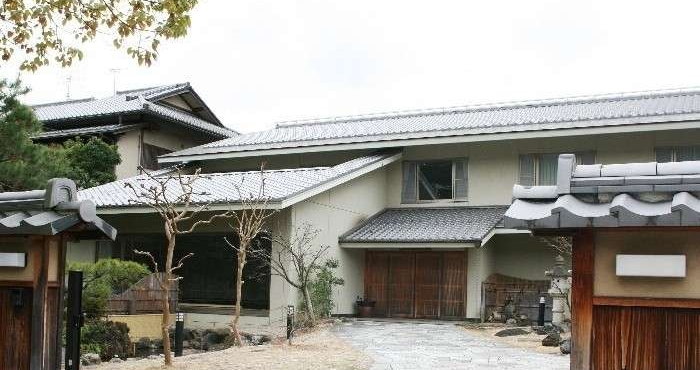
x=417, y=284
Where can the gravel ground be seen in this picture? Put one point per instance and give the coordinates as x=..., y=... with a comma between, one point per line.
x=320, y=349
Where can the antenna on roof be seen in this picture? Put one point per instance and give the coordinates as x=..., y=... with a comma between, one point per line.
x=115, y=72
x=68, y=80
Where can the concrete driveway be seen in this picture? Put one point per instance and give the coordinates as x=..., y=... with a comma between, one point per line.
x=439, y=345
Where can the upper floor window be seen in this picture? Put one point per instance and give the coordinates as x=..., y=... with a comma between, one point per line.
x=431, y=181
x=541, y=169
x=678, y=154
x=149, y=156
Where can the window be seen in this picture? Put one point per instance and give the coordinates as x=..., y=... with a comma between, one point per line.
x=678, y=154
x=541, y=169
x=432, y=181
x=149, y=156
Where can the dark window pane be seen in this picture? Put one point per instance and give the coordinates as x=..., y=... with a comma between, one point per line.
x=664, y=155
x=548, y=169
x=408, y=190
x=435, y=180
x=684, y=153
x=527, y=170
x=149, y=156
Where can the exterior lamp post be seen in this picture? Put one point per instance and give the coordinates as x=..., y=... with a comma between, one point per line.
x=290, y=322
x=179, y=328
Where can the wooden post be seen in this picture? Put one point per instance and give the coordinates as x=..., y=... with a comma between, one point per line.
x=39, y=358
x=582, y=299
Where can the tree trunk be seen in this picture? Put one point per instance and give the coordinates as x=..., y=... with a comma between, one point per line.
x=310, y=315
x=239, y=293
x=167, y=269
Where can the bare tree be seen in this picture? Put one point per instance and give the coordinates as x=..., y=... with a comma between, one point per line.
x=247, y=223
x=295, y=259
x=561, y=244
x=171, y=196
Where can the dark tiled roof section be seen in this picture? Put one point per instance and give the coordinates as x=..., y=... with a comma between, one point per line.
x=422, y=225
x=82, y=131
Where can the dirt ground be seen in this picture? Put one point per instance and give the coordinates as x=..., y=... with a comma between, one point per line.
x=530, y=341
x=319, y=349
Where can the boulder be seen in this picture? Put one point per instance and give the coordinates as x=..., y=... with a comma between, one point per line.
x=90, y=359
x=551, y=340
x=565, y=346
x=259, y=339
x=511, y=332
x=512, y=321
x=116, y=359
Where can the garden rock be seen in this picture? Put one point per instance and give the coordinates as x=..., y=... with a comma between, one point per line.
x=116, y=360
x=565, y=346
x=551, y=340
x=153, y=357
x=257, y=339
x=512, y=322
x=511, y=332
x=90, y=359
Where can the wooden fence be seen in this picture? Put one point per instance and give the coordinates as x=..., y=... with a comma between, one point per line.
x=525, y=294
x=143, y=297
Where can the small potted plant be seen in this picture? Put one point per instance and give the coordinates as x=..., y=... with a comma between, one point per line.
x=365, y=306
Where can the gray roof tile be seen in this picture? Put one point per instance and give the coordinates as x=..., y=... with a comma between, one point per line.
x=134, y=101
x=224, y=187
x=601, y=110
x=423, y=225
x=79, y=131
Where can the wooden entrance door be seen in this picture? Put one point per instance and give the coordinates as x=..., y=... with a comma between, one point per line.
x=15, y=324
x=416, y=284
x=645, y=338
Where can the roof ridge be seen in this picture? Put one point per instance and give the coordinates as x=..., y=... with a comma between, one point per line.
x=504, y=105
x=147, y=88
x=70, y=101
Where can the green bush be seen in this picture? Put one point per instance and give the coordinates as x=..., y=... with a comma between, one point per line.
x=110, y=338
x=104, y=278
x=321, y=288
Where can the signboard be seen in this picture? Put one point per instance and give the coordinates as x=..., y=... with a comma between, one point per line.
x=13, y=259
x=646, y=265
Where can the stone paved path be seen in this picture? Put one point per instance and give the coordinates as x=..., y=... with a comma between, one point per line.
x=439, y=345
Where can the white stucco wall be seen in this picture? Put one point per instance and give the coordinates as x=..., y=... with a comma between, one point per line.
x=128, y=146
x=333, y=213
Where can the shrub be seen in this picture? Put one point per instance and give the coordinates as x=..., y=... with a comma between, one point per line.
x=321, y=289
x=104, y=278
x=110, y=338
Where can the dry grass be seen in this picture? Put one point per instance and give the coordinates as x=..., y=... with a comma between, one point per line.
x=319, y=349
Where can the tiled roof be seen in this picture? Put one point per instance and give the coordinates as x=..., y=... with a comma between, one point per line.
x=48, y=212
x=79, y=131
x=593, y=111
x=426, y=225
x=613, y=195
x=222, y=188
x=134, y=101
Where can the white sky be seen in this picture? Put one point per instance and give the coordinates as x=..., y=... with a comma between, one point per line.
x=257, y=62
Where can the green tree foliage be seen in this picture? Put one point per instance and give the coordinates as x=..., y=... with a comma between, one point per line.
x=104, y=278
x=40, y=30
x=23, y=164
x=91, y=162
x=321, y=288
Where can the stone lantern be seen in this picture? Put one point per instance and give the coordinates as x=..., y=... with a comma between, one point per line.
x=559, y=290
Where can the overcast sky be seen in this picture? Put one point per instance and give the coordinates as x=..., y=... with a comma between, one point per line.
x=257, y=62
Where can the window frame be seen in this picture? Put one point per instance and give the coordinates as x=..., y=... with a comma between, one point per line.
x=674, y=149
x=453, y=162
x=536, y=163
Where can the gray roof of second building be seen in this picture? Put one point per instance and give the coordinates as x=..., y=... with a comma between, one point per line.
x=591, y=111
x=134, y=101
x=223, y=188
x=427, y=225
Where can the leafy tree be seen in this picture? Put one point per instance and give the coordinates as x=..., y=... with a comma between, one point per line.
x=24, y=164
x=91, y=161
x=44, y=29
x=104, y=278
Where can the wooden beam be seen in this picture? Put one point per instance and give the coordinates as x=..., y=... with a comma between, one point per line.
x=647, y=302
x=39, y=343
x=582, y=299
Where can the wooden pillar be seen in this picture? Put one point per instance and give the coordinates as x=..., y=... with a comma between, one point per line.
x=582, y=299
x=40, y=353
